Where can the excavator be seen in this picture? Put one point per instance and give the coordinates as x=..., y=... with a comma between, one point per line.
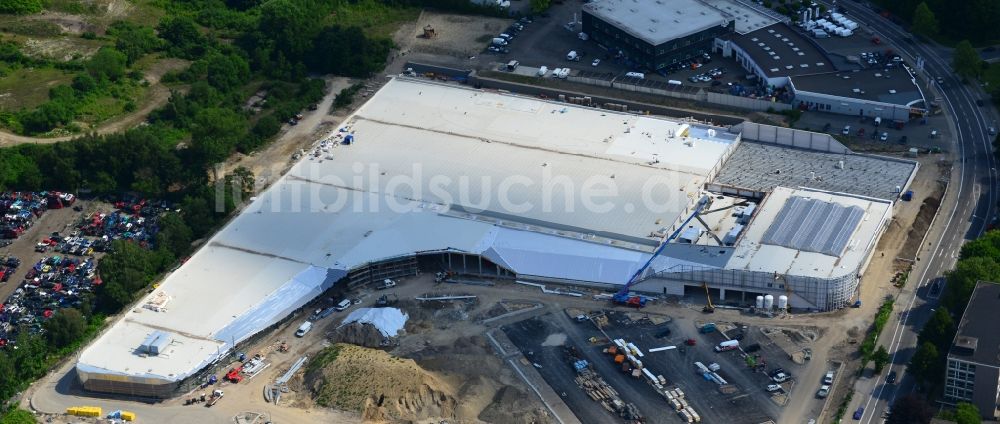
x=709, y=307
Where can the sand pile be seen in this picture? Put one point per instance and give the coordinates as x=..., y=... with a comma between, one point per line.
x=382, y=387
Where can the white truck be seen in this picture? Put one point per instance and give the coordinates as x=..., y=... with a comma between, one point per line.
x=727, y=345
x=303, y=329
x=386, y=284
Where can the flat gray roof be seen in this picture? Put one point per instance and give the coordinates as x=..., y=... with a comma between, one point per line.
x=657, y=21
x=748, y=16
x=762, y=167
x=813, y=225
x=887, y=85
x=781, y=51
x=977, y=338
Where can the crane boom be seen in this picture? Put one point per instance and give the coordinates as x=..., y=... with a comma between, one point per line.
x=635, y=277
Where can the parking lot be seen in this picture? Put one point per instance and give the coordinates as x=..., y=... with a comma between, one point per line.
x=744, y=400
x=52, y=264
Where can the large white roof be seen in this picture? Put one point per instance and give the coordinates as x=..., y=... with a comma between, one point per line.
x=340, y=209
x=327, y=216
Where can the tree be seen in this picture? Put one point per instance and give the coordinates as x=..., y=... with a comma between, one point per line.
x=133, y=40
x=940, y=329
x=966, y=60
x=910, y=409
x=880, y=358
x=182, y=34
x=214, y=133
x=289, y=26
x=226, y=71
x=539, y=6
x=65, y=328
x=925, y=363
x=174, y=235
x=18, y=416
x=20, y=7
x=267, y=126
x=962, y=280
x=986, y=246
x=967, y=413
x=107, y=64
x=924, y=21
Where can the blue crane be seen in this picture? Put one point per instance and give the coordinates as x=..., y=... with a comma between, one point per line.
x=623, y=297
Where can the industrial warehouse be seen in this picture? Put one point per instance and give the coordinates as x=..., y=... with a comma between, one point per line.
x=433, y=177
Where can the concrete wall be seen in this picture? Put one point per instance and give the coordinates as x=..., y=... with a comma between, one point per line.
x=746, y=102
x=855, y=107
x=789, y=137
x=696, y=95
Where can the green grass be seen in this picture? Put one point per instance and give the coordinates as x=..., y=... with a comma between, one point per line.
x=29, y=87
x=30, y=27
x=99, y=109
x=75, y=7
x=375, y=18
x=324, y=357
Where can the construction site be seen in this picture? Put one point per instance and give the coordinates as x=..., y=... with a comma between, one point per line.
x=517, y=278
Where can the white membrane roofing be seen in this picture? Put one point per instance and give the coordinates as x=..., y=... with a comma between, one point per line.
x=343, y=207
x=327, y=216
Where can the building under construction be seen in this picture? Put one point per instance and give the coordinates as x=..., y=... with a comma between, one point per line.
x=433, y=177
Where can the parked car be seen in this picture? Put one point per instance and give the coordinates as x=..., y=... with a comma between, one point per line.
x=781, y=377
x=884, y=136
x=859, y=413
x=595, y=62
x=828, y=378
x=773, y=387
x=823, y=391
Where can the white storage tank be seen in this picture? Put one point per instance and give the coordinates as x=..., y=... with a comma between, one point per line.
x=760, y=302
x=782, y=302
x=768, y=302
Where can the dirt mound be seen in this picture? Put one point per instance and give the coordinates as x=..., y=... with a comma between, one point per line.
x=361, y=334
x=382, y=387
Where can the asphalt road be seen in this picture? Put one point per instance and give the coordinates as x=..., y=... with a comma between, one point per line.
x=968, y=208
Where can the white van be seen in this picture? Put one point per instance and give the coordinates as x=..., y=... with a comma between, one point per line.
x=344, y=304
x=303, y=329
x=572, y=55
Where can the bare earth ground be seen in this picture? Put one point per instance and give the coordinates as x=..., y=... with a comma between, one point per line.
x=459, y=36
x=273, y=160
